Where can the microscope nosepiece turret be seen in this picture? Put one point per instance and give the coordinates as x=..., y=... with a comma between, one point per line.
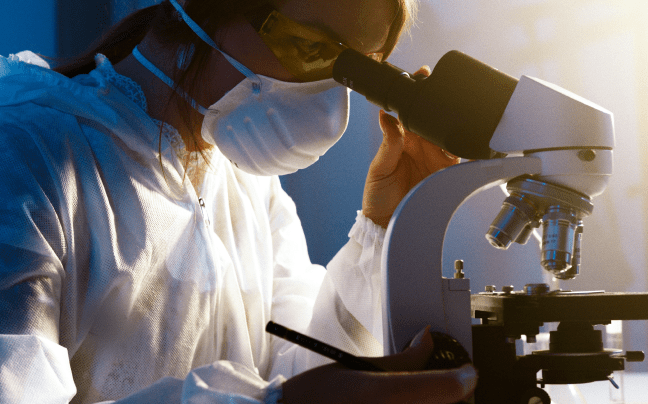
x=559, y=210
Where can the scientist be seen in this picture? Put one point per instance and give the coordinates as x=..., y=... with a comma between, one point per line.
x=145, y=240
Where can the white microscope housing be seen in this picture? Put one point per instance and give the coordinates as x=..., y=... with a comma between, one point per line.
x=558, y=149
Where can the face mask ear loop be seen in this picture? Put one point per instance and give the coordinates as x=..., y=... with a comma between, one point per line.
x=160, y=74
x=256, y=86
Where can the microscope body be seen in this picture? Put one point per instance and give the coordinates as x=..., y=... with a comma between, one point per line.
x=573, y=138
x=559, y=156
x=553, y=150
x=541, y=131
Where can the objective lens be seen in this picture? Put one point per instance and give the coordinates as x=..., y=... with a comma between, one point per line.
x=559, y=209
x=511, y=223
x=559, y=228
x=526, y=233
x=572, y=272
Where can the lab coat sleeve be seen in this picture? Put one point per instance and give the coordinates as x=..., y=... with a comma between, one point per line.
x=340, y=305
x=34, y=370
x=33, y=367
x=355, y=274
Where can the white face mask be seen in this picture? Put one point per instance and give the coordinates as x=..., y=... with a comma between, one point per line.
x=286, y=127
x=269, y=127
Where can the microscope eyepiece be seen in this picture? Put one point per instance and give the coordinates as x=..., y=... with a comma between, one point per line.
x=458, y=107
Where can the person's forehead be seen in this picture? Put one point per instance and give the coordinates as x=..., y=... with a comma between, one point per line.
x=360, y=24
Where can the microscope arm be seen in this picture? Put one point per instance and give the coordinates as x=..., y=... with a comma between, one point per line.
x=414, y=292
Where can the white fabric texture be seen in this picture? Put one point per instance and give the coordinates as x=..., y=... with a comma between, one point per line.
x=116, y=285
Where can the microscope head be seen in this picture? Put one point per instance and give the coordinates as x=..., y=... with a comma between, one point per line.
x=574, y=139
x=573, y=136
x=477, y=112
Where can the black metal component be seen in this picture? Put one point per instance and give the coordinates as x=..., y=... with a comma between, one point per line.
x=634, y=356
x=573, y=368
x=501, y=378
x=576, y=353
x=575, y=337
x=440, y=108
x=521, y=314
x=448, y=353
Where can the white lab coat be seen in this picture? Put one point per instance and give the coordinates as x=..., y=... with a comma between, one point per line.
x=114, y=281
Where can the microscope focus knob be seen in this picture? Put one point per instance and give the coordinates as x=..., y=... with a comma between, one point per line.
x=448, y=353
x=634, y=356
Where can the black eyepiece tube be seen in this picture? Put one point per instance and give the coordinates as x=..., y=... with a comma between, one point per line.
x=380, y=83
x=457, y=107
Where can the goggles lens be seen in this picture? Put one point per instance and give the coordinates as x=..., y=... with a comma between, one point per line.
x=307, y=54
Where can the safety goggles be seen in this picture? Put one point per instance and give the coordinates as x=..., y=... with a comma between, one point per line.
x=307, y=54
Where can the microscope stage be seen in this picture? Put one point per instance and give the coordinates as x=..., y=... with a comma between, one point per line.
x=518, y=308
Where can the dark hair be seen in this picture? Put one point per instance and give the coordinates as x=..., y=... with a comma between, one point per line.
x=166, y=26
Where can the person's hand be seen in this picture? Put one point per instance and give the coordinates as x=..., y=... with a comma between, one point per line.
x=405, y=382
x=402, y=161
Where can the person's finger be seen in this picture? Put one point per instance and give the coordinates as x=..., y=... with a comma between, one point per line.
x=428, y=157
x=391, y=147
x=391, y=127
x=424, y=71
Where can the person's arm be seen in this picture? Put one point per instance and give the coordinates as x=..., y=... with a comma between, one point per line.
x=405, y=382
x=342, y=308
x=330, y=304
x=35, y=368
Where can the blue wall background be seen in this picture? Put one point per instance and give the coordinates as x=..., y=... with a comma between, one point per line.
x=28, y=25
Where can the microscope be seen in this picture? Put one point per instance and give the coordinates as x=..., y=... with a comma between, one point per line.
x=553, y=151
